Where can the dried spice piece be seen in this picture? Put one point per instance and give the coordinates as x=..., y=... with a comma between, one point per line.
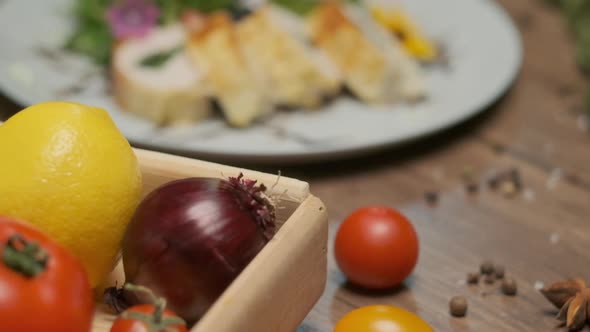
x=508, y=188
x=560, y=292
x=498, y=148
x=493, y=183
x=509, y=287
x=575, y=312
x=509, y=182
x=489, y=279
x=516, y=179
x=487, y=267
x=572, y=297
x=458, y=306
x=472, y=188
x=472, y=278
x=499, y=271
x=431, y=197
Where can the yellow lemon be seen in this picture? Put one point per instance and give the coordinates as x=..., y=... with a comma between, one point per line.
x=66, y=168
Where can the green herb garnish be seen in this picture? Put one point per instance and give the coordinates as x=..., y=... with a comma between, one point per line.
x=303, y=7
x=300, y=7
x=158, y=59
x=209, y=5
x=92, y=35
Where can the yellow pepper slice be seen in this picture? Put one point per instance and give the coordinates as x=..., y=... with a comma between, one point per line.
x=396, y=21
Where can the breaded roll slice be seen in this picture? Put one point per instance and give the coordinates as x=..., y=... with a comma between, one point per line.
x=276, y=41
x=374, y=66
x=239, y=88
x=172, y=93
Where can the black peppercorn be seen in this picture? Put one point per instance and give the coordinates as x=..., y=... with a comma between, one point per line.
x=499, y=271
x=472, y=278
x=487, y=268
x=458, y=306
x=509, y=287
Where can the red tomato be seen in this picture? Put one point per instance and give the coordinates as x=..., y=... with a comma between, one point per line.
x=43, y=288
x=143, y=318
x=376, y=247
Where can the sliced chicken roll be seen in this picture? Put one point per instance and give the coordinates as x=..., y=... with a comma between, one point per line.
x=374, y=66
x=300, y=75
x=412, y=81
x=154, y=78
x=240, y=89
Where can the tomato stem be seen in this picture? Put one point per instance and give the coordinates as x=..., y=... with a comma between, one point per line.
x=24, y=257
x=155, y=322
x=168, y=324
x=159, y=303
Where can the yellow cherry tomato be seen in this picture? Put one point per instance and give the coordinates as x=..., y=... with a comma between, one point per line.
x=381, y=318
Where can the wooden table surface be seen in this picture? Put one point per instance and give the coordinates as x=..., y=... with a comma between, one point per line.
x=541, y=234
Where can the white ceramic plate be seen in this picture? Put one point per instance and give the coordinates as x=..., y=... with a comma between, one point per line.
x=482, y=43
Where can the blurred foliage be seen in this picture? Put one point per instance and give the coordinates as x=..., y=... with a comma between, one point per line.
x=92, y=35
x=577, y=16
x=302, y=7
x=298, y=6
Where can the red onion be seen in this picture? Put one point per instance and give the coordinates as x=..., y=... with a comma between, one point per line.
x=190, y=238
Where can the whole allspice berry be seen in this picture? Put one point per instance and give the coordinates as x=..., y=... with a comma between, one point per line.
x=487, y=267
x=472, y=278
x=458, y=306
x=499, y=271
x=489, y=279
x=509, y=287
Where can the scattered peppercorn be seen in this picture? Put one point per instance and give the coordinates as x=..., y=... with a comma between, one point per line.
x=431, y=197
x=516, y=179
x=487, y=268
x=508, y=188
x=499, y=271
x=472, y=188
x=498, y=148
x=509, y=287
x=472, y=278
x=508, y=181
x=573, y=178
x=458, y=306
x=493, y=183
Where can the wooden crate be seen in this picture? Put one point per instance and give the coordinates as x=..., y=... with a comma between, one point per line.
x=280, y=286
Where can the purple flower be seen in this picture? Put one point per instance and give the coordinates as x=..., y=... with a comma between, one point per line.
x=132, y=18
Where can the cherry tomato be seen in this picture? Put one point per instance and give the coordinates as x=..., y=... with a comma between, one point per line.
x=43, y=288
x=145, y=318
x=376, y=247
x=381, y=318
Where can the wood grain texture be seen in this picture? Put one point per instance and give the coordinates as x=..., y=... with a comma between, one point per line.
x=540, y=235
